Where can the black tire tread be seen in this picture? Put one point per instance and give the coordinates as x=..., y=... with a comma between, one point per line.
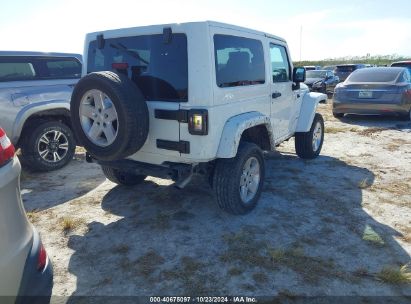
x=303, y=140
x=225, y=180
x=117, y=177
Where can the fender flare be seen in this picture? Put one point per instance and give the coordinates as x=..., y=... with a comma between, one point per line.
x=307, y=111
x=234, y=128
x=34, y=108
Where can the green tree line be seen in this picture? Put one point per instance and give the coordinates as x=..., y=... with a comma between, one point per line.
x=379, y=60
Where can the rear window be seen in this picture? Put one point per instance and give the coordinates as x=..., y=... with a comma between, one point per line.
x=374, y=75
x=159, y=69
x=61, y=68
x=238, y=61
x=346, y=68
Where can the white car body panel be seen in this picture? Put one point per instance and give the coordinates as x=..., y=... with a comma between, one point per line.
x=309, y=104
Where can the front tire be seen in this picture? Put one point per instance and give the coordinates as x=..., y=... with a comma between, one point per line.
x=238, y=181
x=47, y=146
x=308, y=144
x=122, y=177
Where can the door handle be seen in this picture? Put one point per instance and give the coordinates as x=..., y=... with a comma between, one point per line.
x=276, y=95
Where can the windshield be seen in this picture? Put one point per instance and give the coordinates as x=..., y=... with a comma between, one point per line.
x=374, y=75
x=159, y=69
x=316, y=74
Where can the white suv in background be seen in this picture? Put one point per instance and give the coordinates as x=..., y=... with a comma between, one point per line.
x=26, y=274
x=35, y=91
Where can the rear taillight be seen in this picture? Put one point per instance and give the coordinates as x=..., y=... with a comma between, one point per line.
x=42, y=258
x=6, y=148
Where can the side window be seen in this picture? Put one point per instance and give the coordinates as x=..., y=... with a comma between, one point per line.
x=280, y=67
x=61, y=68
x=238, y=61
x=15, y=68
x=407, y=76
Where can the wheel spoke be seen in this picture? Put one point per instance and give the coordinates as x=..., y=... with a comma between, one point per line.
x=111, y=114
x=95, y=131
x=44, y=139
x=110, y=133
x=253, y=186
x=56, y=156
x=243, y=192
x=98, y=99
x=57, y=135
x=88, y=111
x=64, y=146
x=44, y=153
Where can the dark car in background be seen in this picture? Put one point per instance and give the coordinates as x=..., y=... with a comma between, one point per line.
x=381, y=90
x=322, y=81
x=344, y=70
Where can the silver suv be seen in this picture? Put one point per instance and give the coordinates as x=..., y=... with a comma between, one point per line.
x=35, y=91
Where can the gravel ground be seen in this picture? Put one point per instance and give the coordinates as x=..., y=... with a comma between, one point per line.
x=336, y=225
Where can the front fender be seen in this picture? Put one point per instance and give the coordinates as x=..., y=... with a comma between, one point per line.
x=234, y=128
x=34, y=108
x=308, y=107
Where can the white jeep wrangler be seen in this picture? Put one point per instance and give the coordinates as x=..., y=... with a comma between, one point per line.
x=178, y=99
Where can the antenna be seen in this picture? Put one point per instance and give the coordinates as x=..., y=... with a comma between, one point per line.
x=301, y=39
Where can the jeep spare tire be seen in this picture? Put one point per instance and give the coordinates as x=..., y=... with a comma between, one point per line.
x=109, y=115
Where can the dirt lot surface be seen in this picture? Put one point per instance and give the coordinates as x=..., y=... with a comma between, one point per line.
x=336, y=225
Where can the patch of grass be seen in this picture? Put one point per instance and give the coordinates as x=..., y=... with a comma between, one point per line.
x=234, y=271
x=246, y=249
x=260, y=277
x=364, y=183
x=373, y=237
x=370, y=131
x=147, y=263
x=161, y=221
x=121, y=249
x=395, y=275
x=311, y=268
x=193, y=276
x=33, y=215
x=334, y=130
x=68, y=224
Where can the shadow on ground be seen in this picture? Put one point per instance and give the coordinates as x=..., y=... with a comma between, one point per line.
x=66, y=183
x=309, y=235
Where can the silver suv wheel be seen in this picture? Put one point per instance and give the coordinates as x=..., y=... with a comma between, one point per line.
x=98, y=118
x=317, y=136
x=250, y=179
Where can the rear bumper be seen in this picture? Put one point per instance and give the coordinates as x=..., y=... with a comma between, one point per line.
x=370, y=108
x=36, y=286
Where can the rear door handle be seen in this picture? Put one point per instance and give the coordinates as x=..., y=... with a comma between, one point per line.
x=276, y=95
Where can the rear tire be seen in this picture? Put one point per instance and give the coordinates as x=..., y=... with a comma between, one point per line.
x=121, y=177
x=308, y=144
x=47, y=146
x=237, y=185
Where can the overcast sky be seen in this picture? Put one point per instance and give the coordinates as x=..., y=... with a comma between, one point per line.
x=329, y=28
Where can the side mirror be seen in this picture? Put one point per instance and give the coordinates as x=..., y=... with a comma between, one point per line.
x=298, y=74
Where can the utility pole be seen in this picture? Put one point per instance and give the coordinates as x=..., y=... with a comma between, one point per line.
x=301, y=39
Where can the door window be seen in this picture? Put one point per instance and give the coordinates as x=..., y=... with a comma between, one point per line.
x=280, y=66
x=238, y=61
